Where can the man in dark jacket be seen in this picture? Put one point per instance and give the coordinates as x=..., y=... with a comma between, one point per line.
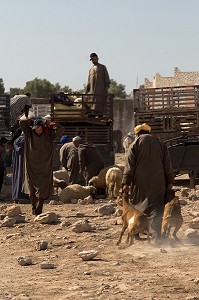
x=3, y=142
x=148, y=173
x=90, y=160
x=38, y=160
x=69, y=159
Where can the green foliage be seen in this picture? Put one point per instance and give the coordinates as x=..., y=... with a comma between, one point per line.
x=117, y=89
x=2, y=89
x=16, y=91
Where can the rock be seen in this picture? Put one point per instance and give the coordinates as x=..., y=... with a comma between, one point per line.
x=2, y=216
x=3, y=207
x=12, y=235
x=82, y=201
x=182, y=201
x=194, y=214
x=8, y=222
x=13, y=211
x=185, y=193
x=193, y=197
x=194, y=224
x=106, y=209
x=191, y=233
x=119, y=221
x=42, y=245
x=82, y=226
x=89, y=199
x=88, y=255
x=65, y=224
x=24, y=261
x=74, y=201
x=47, y=265
x=163, y=250
x=54, y=202
x=196, y=280
x=46, y=218
x=118, y=212
x=79, y=214
x=21, y=297
x=20, y=219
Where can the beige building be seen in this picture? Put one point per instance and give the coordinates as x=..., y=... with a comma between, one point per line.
x=179, y=79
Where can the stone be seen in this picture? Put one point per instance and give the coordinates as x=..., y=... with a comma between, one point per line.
x=42, y=245
x=74, y=201
x=185, y=193
x=106, y=209
x=88, y=255
x=47, y=265
x=13, y=211
x=194, y=214
x=82, y=226
x=20, y=219
x=24, y=261
x=12, y=235
x=46, y=218
x=163, y=250
x=191, y=233
x=194, y=224
x=65, y=224
x=182, y=201
x=54, y=202
x=119, y=221
x=8, y=222
x=118, y=212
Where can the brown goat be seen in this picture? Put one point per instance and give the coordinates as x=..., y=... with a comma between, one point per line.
x=172, y=218
x=134, y=220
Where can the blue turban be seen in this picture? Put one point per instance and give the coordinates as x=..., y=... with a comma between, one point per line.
x=64, y=139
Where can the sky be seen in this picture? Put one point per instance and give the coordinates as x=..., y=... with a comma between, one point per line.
x=52, y=39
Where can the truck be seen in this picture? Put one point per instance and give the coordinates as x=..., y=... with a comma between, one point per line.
x=74, y=112
x=173, y=114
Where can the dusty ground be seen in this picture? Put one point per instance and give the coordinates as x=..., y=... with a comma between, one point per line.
x=141, y=271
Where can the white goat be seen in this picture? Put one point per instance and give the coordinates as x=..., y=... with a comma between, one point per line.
x=127, y=141
x=113, y=181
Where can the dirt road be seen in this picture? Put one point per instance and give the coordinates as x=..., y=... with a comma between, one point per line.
x=141, y=271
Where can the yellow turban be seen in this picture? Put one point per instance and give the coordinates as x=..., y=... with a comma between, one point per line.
x=144, y=127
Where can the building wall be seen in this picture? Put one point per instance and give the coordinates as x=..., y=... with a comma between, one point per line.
x=179, y=79
x=123, y=115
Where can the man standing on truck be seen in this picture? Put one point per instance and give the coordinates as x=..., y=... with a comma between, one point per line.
x=98, y=84
x=147, y=175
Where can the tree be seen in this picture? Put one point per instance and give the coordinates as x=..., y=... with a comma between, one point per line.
x=2, y=89
x=117, y=89
x=40, y=88
x=16, y=91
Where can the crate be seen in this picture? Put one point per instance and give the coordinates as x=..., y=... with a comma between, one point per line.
x=4, y=115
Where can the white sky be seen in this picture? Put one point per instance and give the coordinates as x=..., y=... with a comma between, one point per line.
x=52, y=39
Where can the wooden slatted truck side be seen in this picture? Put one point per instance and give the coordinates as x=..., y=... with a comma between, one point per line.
x=173, y=114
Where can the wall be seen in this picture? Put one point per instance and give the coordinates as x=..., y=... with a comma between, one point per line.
x=179, y=79
x=123, y=115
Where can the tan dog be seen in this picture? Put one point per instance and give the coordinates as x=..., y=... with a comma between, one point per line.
x=172, y=218
x=134, y=220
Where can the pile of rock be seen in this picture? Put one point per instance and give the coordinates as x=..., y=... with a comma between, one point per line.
x=11, y=215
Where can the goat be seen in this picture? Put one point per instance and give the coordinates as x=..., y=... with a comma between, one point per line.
x=113, y=181
x=128, y=141
x=172, y=217
x=134, y=220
